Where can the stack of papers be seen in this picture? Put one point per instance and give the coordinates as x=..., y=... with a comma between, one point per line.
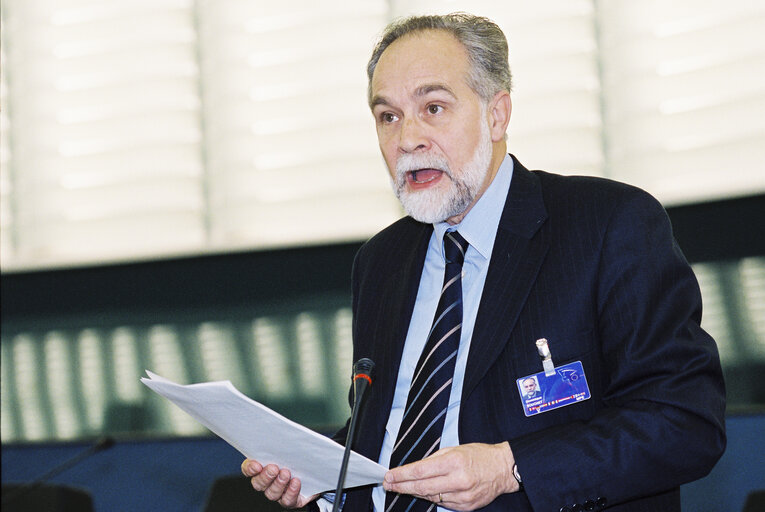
x=261, y=434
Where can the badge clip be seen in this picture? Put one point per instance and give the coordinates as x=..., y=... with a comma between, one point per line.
x=546, y=355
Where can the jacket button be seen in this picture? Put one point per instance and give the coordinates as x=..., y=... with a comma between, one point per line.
x=589, y=505
x=565, y=508
x=601, y=502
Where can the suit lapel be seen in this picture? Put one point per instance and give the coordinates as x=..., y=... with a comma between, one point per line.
x=515, y=262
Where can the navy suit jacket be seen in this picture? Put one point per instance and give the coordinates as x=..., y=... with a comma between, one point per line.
x=591, y=265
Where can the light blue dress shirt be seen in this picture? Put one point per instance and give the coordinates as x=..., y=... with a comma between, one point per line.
x=479, y=228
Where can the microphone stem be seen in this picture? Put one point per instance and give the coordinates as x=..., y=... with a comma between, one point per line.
x=346, y=453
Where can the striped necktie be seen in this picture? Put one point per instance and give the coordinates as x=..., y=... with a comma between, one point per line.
x=428, y=399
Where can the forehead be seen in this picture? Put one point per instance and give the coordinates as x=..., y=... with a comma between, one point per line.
x=421, y=58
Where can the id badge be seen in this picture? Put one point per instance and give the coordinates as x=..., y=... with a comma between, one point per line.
x=541, y=392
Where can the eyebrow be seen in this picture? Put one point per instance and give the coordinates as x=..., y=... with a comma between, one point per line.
x=422, y=90
x=378, y=100
x=428, y=88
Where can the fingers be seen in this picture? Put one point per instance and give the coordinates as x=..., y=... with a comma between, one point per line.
x=251, y=467
x=284, y=490
x=424, y=478
x=427, y=488
x=463, y=477
x=437, y=465
x=275, y=483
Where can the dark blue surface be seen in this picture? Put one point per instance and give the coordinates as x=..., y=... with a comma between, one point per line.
x=166, y=475
x=177, y=474
x=740, y=470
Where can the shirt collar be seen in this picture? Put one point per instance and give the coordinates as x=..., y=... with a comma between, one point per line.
x=479, y=227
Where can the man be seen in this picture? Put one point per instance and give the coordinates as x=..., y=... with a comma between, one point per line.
x=530, y=389
x=588, y=264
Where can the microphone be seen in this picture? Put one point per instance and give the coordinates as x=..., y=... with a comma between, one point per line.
x=362, y=379
x=103, y=443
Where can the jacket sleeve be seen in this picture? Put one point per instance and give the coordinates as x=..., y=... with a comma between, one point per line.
x=661, y=423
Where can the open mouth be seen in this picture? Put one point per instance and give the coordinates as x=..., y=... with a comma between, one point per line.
x=421, y=176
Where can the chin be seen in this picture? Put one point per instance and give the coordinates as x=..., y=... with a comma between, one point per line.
x=431, y=207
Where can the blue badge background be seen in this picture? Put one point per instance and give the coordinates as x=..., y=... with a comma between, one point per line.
x=568, y=381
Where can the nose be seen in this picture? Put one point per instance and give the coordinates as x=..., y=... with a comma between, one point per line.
x=412, y=136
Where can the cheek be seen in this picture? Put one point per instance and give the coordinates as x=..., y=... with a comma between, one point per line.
x=389, y=155
x=451, y=145
x=466, y=148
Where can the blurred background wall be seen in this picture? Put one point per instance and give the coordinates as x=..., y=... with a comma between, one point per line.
x=175, y=173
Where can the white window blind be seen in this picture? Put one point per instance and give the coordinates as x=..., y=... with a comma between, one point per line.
x=684, y=94
x=163, y=127
x=105, y=119
x=7, y=227
x=290, y=147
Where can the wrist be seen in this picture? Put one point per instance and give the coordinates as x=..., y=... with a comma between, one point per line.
x=510, y=482
x=517, y=476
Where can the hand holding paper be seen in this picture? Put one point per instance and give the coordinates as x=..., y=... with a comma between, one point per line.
x=263, y=435
x=277, y=484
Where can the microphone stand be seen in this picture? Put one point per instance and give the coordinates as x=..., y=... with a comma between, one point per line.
x=362, y=379
x=102, y=444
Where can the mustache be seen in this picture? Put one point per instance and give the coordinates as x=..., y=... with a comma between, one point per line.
x=413, y=162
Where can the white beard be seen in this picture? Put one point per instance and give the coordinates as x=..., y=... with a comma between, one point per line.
x=431, y=205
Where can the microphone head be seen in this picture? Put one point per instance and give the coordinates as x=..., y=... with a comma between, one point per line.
x=362, y=376
x=363, y=366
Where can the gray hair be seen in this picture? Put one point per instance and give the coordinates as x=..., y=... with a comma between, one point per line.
x=483, y=40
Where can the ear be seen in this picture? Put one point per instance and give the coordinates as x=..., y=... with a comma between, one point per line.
x=500, y=108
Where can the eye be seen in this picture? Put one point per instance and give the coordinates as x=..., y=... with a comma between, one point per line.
x=435, y=109
x=387, y=117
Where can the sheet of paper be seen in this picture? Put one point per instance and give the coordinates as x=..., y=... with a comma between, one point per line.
x=261, y=434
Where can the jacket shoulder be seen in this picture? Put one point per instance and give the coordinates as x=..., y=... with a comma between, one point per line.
x=593, y=199
x=589, y=188
x=395, y=240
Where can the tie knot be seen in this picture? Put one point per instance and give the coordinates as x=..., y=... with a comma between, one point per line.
x=455, y=247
